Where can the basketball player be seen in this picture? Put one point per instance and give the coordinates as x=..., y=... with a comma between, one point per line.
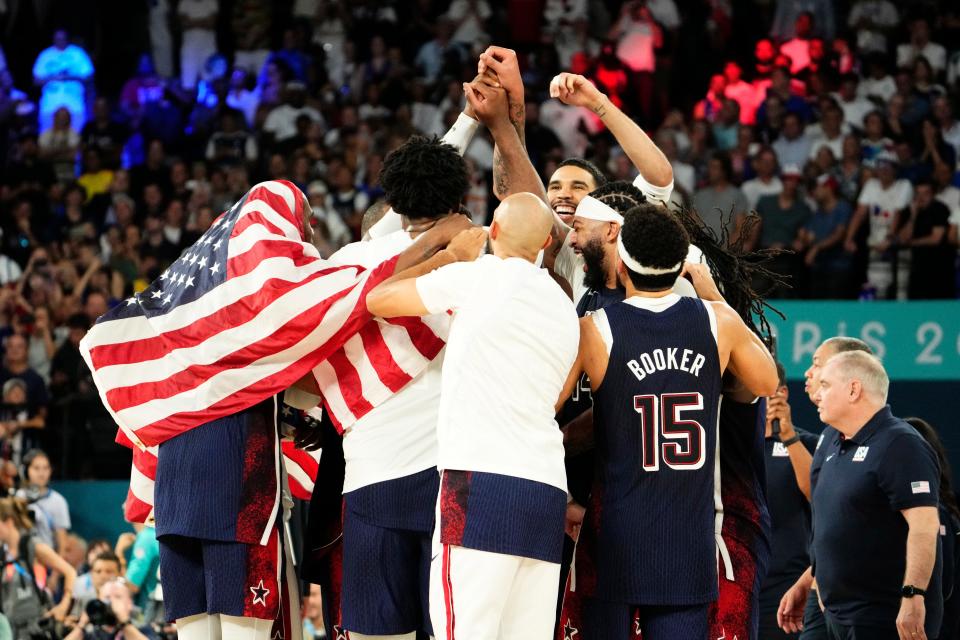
x=499, y=534
x=655, y=363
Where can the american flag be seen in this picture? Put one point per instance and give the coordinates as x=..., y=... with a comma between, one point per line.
x=241, y=315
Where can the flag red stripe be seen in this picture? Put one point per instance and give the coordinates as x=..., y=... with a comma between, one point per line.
x=235, y=314
x=302, y=458
x=130, y=396
x=135, y=509
x=349, y=382
x=422, y=336
x=241, y=399
x=387, y=369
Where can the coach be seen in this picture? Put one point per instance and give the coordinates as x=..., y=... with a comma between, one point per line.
x=875, y=521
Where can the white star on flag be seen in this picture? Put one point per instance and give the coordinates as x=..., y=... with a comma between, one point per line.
x=215, y=268
x=157, y=294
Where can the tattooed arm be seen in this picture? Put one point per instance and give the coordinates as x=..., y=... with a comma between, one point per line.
x=513, y=171
x=504, y=63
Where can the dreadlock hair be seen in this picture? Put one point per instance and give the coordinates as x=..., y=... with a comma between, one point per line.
x=619, y=195
x=947, y=497
x=736, y=270
x=599, y=179
x=654, y=238
x=424, y=178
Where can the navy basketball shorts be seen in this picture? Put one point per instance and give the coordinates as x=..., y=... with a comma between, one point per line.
x=736, y=613
x=616, y=621
x=386, y=579
x=220, y=578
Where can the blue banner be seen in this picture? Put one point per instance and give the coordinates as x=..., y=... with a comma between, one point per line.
x=915, y=340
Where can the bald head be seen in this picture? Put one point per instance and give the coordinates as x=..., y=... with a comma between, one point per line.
x=521, y=226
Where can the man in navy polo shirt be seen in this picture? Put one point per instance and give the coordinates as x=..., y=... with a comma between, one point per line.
x=875, y=521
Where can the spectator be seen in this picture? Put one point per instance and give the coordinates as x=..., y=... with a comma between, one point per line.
x=872, y=453
x=882, y=197
x=946, y=192
x=788, y=454
x=22, y=603
x=874, y=141
x=766, y=183
x=877, y=85
x=313, y=628
x=720, y=204
x=920, y=45
x=75, y=552
x=19, y=424
x=727, y=125
x=829, y=133
x=949, y=126
x=105, y=134
x=116, y=595
x=142, y=570
x=873, y=20
x=62, y=71
x=783, y=218
x=241, y=96
x=281, y=124
x=345, y=200
x=145, y=89
x=797, y=48
x=198, y=21
x=105, y=567
x=95, y=178
x=16, y=365
x=440, y=52
x=849, y=172
x=469, y=18
x=709, y=108
x=823, y=239
x=59, y=145
x=855, y=107
x=925, y=233
x=793, y=146
x=787, y=19
x=744, y=93
x=638, y=36
x=37, y=491
x=250, y=23
x=231, y=144
x=684, y=177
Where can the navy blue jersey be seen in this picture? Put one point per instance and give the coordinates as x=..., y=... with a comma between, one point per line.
x=656, y=417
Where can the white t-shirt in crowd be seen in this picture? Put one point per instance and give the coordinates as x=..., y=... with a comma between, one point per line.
x=398, y=437
x=512, y=343
x=569, y=264
x=883, y=205
x=950, y=196
x=756, y=188
x=935, y=54
x=636, y=46
x=282, y=120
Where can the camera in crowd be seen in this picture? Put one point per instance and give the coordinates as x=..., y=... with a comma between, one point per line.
x=101, y=614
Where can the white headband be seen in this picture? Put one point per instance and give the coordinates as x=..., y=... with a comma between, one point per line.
x=593, y=209
x=636, y=267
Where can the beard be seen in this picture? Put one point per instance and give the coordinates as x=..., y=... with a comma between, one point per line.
x=596, y=265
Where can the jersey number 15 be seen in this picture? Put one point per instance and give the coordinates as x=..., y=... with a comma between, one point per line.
x=683, y=441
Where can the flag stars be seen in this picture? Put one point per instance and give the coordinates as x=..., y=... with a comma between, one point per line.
x=167, y=298
x=202, y=262
x=189, y=281
x=215, y=268
x=193, y=259
x=157, y=294
x=132, y=301
x=216, y=245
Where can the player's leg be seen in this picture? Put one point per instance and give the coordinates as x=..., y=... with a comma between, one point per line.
x=672, y=623
x=184, y=595
x=469, y=590
x=239, y=628
x=531, y=606
x=199, y=627
x=381, y=577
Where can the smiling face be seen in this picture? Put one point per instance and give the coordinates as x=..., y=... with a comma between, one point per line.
x=568, y=185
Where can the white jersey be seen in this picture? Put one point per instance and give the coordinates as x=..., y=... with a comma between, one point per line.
x=512, y=343
x=397, y=437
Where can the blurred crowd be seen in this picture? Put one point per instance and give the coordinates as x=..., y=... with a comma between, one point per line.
x=834, y=121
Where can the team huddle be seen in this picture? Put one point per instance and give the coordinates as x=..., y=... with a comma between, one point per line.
x=531, y=414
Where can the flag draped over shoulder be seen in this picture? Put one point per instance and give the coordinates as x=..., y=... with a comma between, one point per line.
x=244, y=312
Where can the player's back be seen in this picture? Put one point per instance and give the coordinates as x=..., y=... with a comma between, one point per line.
x=656, y=415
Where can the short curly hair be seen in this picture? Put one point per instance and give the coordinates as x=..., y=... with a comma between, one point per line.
x=655, y=238
x=424, y=178
x=619, y=195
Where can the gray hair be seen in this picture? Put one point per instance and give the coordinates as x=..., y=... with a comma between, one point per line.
x=867, y=369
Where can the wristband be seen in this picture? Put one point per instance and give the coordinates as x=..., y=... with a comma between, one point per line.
x=795, y=439
x=461, y=133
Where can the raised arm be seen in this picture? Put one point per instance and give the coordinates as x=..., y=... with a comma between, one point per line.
x=513, y=171
x=504, y=63
x=652, y=164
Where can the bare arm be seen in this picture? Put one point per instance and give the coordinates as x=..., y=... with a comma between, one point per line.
x=576, y=90
x=800, y=459
x=749, y=358
x=49, y=558
x=935, y=238
x=924, y=527
x=431, y=241
x=513, y=171
x=850, y=244
x=503, y=62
